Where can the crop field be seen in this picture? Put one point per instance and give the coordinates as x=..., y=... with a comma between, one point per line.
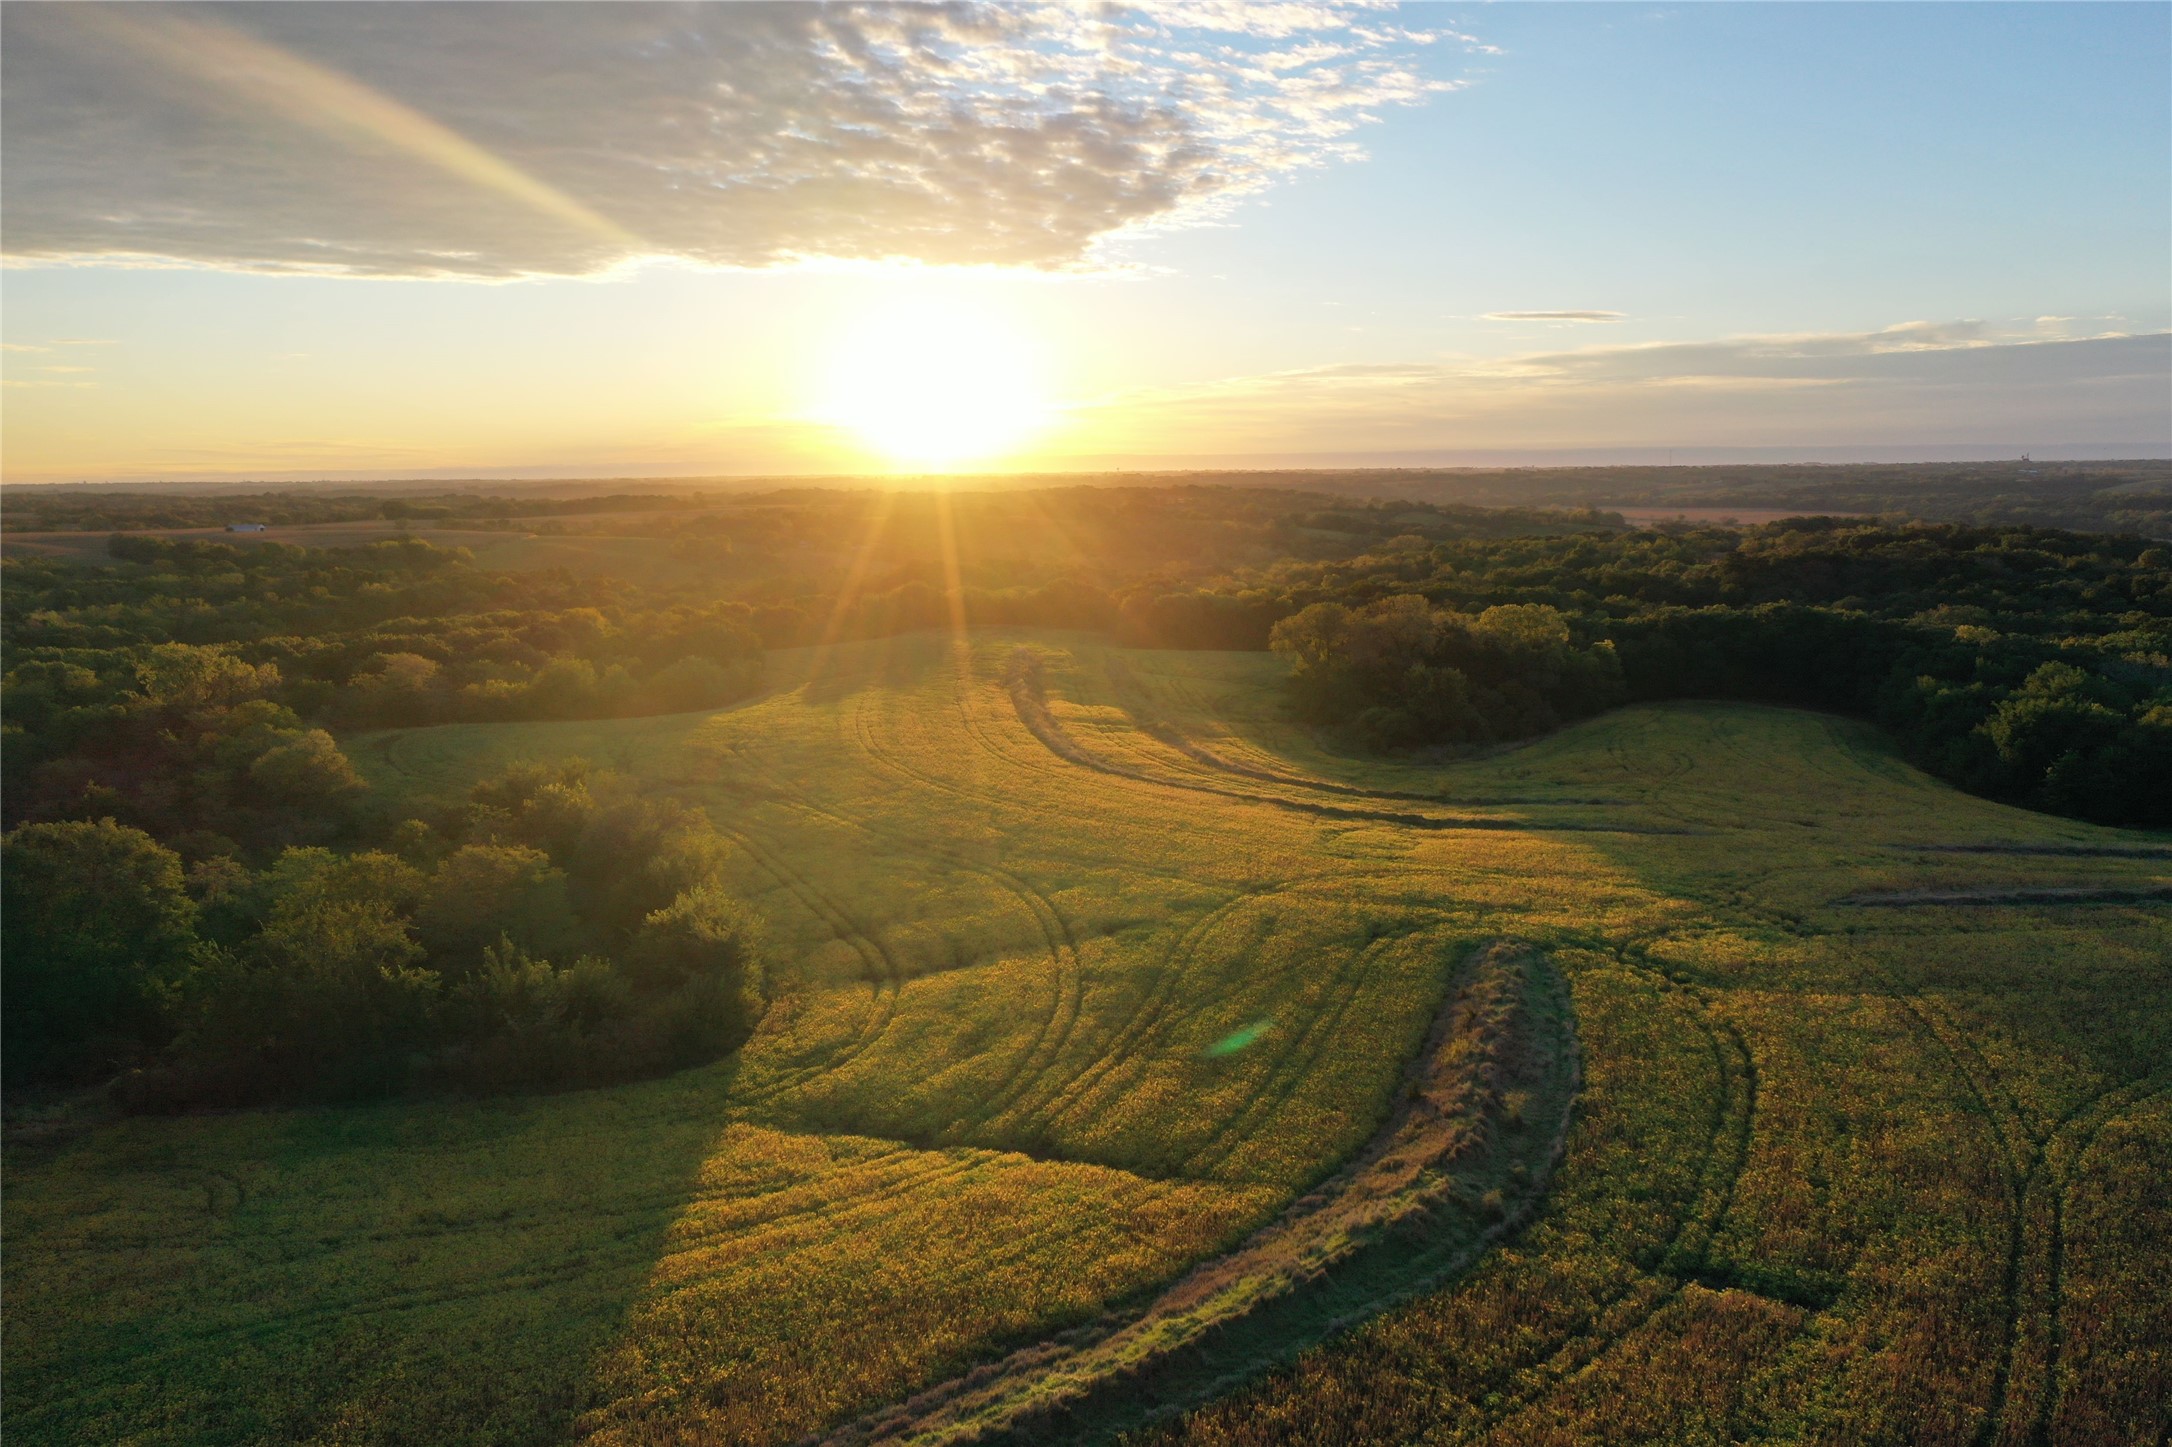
x=1698, y=1073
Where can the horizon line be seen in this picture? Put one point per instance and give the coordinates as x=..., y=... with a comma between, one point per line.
x=1434, y=460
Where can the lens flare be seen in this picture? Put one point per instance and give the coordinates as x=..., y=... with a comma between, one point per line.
x=1237, y=1040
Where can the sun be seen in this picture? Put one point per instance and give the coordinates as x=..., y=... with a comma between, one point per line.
x=933, y=385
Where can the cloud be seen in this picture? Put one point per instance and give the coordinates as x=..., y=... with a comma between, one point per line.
x=494, y=141
x=50, y=374
x=1910, y=384
x=1570, y=316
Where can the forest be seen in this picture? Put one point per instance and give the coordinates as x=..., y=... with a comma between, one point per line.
x=173, y=721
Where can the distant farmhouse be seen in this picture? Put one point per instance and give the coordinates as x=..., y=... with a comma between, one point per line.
x=245, y=527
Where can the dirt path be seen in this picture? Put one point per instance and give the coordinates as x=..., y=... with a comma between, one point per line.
x=1463, y=1159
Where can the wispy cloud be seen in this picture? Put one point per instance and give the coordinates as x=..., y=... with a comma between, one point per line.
x=1561, y=316
x=48, y=374
x=1916, y=382
x=503, y=140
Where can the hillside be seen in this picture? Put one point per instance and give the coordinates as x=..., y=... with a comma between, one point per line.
x=1095, y=965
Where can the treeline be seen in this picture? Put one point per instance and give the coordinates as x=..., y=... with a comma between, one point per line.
x=2081, y=727
x=205, y=904
x=2113, y=497
x=1400, y=672
x=64, y=509
x=2022, y=664
x=189, y=689
x=555, y=929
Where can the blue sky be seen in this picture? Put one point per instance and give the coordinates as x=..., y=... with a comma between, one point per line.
x=1767, y=167
x=1830, y=226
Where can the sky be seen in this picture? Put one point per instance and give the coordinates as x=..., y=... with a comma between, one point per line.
x=291, y=241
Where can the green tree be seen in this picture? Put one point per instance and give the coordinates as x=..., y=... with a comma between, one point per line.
x=306, y=771
x=97, y=935
x=330, y=999
x=301, y=878
x=699, y=960
x=484, y=892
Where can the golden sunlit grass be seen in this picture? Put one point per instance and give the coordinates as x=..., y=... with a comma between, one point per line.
x=932, y=384
x=1051, y=1035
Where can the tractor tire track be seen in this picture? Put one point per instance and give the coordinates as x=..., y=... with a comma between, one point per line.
x=1153, y=725
x=1128, y=1033
x=885, y=976
x=1722, y=1161
x=1025, y=690
x=1152, y=1012
x=2018, y=1168
x=1035, y=1391
x=2138, y=1095
x=2054, y=1166
x=2026, y=1152
x=1064, y=1009
x=1296, y=1064
x=1057, y=934
x=1029, y=1084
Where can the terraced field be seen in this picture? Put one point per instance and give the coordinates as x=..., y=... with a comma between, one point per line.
x=1132, y=1046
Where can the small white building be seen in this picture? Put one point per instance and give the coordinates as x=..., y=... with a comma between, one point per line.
x=245, y=527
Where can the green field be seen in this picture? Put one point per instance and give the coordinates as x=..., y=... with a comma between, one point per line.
x=1091, y=964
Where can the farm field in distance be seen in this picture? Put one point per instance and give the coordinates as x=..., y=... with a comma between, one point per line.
x=1096, y=964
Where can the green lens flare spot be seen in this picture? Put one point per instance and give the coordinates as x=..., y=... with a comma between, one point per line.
x=1237, y=1040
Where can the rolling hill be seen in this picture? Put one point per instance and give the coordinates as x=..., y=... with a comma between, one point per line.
x=1135, y=1050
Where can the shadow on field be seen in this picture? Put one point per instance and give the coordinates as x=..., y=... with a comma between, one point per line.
x=900, y=661
x=314, y=1266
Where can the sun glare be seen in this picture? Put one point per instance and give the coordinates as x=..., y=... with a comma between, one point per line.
x=934, y=385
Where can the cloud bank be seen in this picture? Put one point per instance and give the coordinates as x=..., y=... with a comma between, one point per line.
x=506, y=140
x=1921, y=389
x=1915, y=384
x=1567, y=316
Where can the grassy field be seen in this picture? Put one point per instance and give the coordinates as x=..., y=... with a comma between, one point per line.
x=1094, y=965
